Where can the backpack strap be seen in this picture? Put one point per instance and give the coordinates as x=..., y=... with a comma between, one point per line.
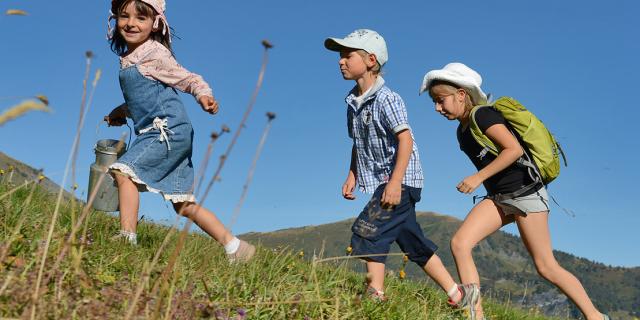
x=488, y=145
x=482, y=139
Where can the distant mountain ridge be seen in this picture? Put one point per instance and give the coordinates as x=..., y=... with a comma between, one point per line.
x=16, y=172
x=503, y=263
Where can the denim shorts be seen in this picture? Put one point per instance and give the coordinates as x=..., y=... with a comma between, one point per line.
x=376, y=229
x=535, y=202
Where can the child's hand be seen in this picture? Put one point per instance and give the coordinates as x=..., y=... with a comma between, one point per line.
x=391, y=195
x=117, y=116
x=469, y=184
x=348, y=187
x=208, y=104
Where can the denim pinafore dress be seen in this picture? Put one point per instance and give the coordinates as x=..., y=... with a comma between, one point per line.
x=159, y=160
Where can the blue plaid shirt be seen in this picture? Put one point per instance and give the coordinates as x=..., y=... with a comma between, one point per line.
x=373, y=127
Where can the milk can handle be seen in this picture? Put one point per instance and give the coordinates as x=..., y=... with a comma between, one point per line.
x=130, y=132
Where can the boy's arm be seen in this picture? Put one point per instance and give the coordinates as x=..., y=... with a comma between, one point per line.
x=350, y=184
x=393, y=190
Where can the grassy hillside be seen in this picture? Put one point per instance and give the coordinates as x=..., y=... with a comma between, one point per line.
x=89, y=276
x=507, y=272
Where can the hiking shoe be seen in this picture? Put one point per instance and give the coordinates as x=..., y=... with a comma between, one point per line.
x=244, y=253
x=375, y=294
x=470, y=295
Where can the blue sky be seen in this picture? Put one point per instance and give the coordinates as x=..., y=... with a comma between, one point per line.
x=574, y=63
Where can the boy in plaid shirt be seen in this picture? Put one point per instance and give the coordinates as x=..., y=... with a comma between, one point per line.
x=385, y=162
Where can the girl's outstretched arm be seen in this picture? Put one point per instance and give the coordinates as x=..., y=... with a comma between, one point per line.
x=208, y=104
x=160, y=64
x=510, y=151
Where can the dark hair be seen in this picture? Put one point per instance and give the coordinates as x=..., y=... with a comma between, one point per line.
x=118, y=44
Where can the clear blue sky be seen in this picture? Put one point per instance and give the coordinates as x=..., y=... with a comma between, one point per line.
x=574, y=63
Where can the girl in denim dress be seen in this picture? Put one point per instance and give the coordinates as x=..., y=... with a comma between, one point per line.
x=159, y=160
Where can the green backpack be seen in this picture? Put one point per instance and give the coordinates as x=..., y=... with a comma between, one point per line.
x=538, y=141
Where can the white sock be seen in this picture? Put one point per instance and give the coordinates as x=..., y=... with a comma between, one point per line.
x=132, y=237
x=232, y=246
x=454, y=293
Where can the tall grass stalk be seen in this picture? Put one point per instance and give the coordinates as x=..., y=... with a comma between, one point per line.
x=54, y=218
x=22, y=108
x=18, y=226
x=252, y=169
x=76, y=225
x=183, y=234
x=265, y=59
x=10, y=192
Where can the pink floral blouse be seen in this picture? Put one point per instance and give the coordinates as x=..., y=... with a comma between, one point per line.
x=154, y=61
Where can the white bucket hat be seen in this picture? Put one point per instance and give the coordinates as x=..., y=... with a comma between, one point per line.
x=459, y=75
x=365, y=39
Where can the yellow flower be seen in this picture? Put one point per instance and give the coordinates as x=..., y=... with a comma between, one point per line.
x=10, y=168
x=402, y=274
x=1, y=172
x=75, y=186
x=301, y=254
x=40, y=177
x=349, y=250
x=405, y=258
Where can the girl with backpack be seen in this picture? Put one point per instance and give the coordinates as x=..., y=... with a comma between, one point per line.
x=514, y=194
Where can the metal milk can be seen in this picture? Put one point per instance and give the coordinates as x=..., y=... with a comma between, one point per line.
x=107, y=152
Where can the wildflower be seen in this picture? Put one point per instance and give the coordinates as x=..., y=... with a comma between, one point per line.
x=10, y=168
x=402, y=274
x=301, y=254
x=40, y=177
x=1, y=172
x=405, y=258
x=349, y=250
x=75, y=186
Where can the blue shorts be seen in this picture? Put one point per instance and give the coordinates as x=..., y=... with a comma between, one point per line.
x=376, y=228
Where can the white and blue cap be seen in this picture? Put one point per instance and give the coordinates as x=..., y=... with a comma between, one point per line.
x=460, y=75
x=365, y=39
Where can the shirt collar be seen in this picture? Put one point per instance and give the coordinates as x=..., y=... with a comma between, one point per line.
x=357, y=101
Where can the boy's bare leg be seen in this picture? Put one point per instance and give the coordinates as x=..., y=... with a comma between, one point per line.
x=206, y=220
x=375, y=275
x=129, y=201
x=534, y=230
x=436, y=270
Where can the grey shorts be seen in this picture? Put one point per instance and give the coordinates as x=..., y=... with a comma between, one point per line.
x=535, y=202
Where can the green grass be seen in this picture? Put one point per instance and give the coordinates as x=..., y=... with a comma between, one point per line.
x=98, y=278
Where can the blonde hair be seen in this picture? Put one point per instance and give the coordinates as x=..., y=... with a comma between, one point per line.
x=376, y=69
x=451, y=88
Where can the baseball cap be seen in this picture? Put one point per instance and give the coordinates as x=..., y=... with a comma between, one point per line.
x=365, y=39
